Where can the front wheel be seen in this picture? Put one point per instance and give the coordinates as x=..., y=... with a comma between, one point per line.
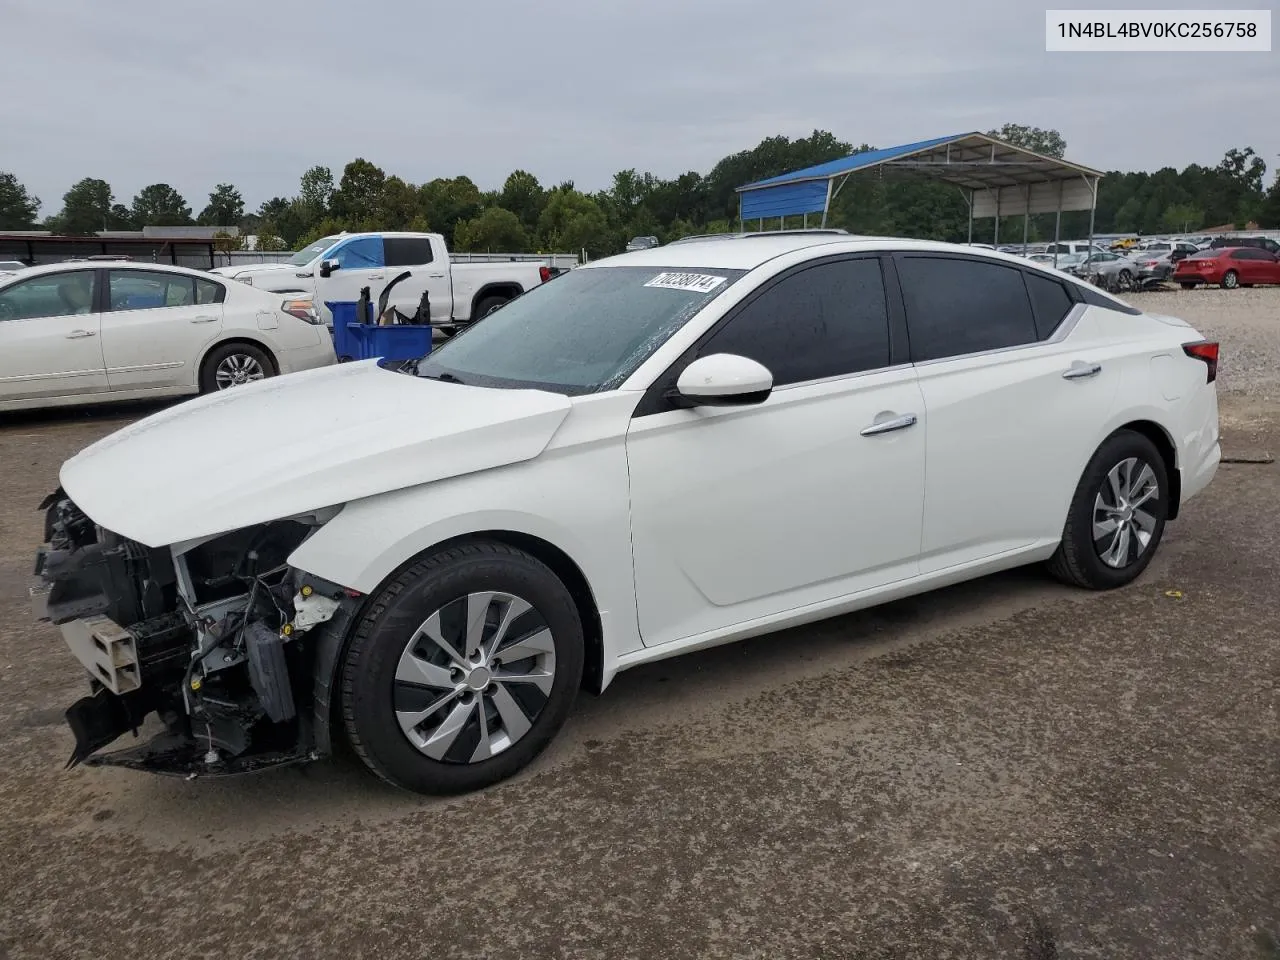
x=1230, y=280
x=462, y=670
x=1125, y=281
x=1188, y=286
x=1117, y=516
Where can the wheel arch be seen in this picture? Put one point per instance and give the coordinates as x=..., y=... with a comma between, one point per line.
x=237, y=338
x=502, y=288
x=1163, y=442
x=332, y=645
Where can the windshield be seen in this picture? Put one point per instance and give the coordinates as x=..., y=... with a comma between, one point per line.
x=585, y=331
x=303, y=257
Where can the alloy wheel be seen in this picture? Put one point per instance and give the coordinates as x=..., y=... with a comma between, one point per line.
x=1123, y=523
x=474, y=677
x=237, y=368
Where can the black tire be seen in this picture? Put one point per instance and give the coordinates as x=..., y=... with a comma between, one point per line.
x=487, y=306
x=1230, y=280
x=209, y=381
x=1188, y=286
x=1078, y=560
x=370, y=689
x=1125, y=280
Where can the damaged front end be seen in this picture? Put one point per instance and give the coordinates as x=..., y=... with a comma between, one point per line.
x=229, y=646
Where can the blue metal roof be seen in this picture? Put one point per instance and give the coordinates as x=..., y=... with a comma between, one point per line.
x=836, y=168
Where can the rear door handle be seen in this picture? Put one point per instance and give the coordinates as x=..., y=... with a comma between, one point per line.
x=1080, y=371
x=375, y=276
x=81, y=334
x=435, y=276
x=888, y=426
x=203, y=319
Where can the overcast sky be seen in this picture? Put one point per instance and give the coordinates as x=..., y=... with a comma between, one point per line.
x=193, y=93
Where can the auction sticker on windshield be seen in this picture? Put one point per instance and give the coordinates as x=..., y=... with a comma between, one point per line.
x=697, y=282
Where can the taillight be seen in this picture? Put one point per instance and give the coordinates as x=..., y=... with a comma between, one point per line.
x=1206, y=350
x=302, y=309
x=544, y=274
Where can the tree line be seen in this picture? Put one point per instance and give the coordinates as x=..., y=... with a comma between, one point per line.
x=526, y=216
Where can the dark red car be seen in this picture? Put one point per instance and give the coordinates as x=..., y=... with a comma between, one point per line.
x=1229, y=267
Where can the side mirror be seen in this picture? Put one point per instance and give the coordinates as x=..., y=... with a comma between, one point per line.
x=328, y=266
x=723, y=380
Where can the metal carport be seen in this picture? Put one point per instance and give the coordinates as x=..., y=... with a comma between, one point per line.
x=996, y=179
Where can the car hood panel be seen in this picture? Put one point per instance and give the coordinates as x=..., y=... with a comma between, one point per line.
x=288, y=445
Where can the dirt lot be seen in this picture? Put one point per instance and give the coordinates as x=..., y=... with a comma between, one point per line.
x=1006, y=769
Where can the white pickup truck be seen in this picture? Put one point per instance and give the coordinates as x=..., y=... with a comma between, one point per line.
x=336, y=268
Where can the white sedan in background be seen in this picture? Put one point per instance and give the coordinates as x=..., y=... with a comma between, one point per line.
x=92, y=332
x=653, y=454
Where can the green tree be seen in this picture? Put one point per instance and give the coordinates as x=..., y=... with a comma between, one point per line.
x=448, y=201
x=1269, y=210
x=86, y=208
x=315, y=194
x=523, y=195
x=398, y=204
x=572, y=222
x=18, y=207
x=268, y=237
x=225, y=207
x=160, y=205
x=359, y=195
x=1046, y=142
x=273, y=209
x=496, y=229
x=1181, y=218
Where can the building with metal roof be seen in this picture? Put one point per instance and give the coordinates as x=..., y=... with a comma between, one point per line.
x=997, y=179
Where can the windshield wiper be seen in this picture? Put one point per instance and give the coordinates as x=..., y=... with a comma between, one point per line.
x=443, y=376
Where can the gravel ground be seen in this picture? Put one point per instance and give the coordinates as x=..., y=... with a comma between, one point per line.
x=1247, y=322
x=1004, y=769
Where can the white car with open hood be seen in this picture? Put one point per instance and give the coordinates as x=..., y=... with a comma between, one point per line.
x=653, y=454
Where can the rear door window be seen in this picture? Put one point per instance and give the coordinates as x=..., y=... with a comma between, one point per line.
x=958, y=306
x=407, y=251
x=148, y=290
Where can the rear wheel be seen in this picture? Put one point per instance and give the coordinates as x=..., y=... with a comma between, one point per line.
x=462, y=670
x=234, y=364
x=1230, y=280
x=1187, y=286
x=1117, y=515
x=487, y=306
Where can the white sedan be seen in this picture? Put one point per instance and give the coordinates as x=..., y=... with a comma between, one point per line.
x=92, y=332
x=652, y=454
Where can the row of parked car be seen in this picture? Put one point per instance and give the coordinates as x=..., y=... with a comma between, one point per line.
x=1229, y=261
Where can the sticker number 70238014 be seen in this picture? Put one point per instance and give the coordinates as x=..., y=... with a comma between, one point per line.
x=697, y=282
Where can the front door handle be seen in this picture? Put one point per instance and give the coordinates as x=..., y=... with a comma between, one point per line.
x=81, y=334
x=888, y=426
x=1080, y=371
x=203, y=319
x=375, y=276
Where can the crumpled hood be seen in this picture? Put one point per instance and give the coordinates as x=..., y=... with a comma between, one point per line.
x=291, y=444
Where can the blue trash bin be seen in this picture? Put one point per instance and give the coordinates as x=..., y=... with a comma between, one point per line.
x=363, y=341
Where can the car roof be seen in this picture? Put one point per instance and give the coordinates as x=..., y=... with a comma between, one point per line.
x=752, y=250
x=44, y=268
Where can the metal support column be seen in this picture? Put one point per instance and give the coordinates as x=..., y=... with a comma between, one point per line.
x=826, y=207
x=1093, y=210
x=1026, y=219
x=741, y=229
x=1057, y=226
x=995, y=241
x=970, y=217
